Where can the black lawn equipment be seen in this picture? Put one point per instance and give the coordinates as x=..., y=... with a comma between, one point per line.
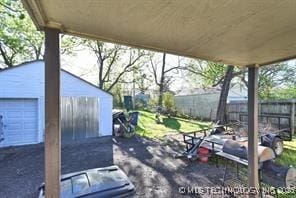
x=123, y=126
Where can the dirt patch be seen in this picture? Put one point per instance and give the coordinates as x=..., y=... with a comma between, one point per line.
x=149, y=164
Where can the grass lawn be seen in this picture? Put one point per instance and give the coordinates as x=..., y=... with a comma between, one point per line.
x=289, y=155
x=288, y=158
x=148, y=127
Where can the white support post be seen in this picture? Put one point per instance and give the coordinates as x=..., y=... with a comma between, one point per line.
x=52, y=114
x=253, y=178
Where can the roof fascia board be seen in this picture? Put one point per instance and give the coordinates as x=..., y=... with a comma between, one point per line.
x=36, y=13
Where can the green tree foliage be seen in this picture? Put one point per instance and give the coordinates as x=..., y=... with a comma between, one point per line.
x=211, y=74
x=275, y=79
x=282, y=93
x=19, y=40
x=272, y=78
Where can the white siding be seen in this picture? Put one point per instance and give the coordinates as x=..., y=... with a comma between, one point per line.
x=72, y=86
x=106, y=117
x=237, y=93
x=27, y=81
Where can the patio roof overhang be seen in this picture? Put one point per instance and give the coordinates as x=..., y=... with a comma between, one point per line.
x=243, y=33
x=233, y=32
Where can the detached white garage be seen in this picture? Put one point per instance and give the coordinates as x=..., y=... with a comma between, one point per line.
x=86, y=110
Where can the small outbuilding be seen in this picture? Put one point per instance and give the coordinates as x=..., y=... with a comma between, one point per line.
x=86, y=110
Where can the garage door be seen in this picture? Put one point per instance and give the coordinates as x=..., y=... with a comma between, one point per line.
x=20, y=118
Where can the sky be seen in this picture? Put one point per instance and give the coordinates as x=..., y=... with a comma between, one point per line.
x=83, y=64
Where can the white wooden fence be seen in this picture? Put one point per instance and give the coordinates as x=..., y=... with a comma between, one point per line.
x=203, y=106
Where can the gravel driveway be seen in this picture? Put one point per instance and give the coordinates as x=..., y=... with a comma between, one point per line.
x=149, y=164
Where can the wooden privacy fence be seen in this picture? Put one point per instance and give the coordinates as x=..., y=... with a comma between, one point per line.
x=281, y=113
x=79, y=117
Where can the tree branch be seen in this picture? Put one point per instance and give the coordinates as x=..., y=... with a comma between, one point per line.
x=126, y=69
x=154, y=71
x=110, y=65
x=219, y=81
x=172, y=68
x=5, y=58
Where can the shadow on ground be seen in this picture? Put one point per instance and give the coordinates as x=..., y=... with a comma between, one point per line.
x=171, y=123
x=149, y=164
x=155, y=172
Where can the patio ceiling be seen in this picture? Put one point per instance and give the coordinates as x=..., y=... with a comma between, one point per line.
x=234, y=32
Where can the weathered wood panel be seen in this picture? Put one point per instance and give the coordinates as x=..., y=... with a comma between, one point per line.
x=80, y=117
x=280, y=108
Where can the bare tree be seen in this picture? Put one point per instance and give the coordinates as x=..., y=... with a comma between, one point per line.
x=113, y=61
x=162, y=75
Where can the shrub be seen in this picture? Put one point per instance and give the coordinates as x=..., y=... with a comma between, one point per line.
x=140, y=104
x=169, y=101
x=152, y=104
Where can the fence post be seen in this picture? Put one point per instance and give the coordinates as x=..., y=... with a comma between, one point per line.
x=292, y=117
